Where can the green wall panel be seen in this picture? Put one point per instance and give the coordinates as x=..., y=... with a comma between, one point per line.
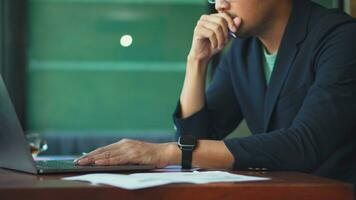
x=92, y=31
x=76, y=100
x=80, y=79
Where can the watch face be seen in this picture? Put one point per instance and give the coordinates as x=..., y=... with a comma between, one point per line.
x=187, y=140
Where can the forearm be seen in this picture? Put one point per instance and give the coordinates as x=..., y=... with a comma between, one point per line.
x=192, y=98
x=210, y=36
x=209, y=154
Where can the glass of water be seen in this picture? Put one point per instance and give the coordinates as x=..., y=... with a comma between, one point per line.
x=37, y=144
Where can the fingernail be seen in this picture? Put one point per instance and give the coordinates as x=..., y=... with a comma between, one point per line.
x=237, y=22
x=82, y=161
x=81, y=157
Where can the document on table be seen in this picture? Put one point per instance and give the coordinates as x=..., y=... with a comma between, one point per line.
x=145, y=180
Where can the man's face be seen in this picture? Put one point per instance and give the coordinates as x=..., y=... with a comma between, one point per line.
x=255, y=14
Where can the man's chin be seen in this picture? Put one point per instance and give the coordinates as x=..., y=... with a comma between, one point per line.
x=242, y=33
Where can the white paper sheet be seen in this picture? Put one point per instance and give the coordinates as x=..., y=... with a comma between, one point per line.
x=145, y=180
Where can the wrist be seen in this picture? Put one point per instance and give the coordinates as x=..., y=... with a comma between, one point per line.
x=196, y=68
x=193, y=60
x=173, y=153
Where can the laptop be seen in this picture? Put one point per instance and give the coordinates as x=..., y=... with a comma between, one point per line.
x=15, y=151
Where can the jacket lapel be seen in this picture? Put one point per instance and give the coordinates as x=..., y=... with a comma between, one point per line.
x=294, y=33
x=257, y=81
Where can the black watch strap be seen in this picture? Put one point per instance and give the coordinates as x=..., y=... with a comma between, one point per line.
x=187, y=154
x=187, y=144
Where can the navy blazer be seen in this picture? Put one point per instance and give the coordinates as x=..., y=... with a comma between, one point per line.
x=305, y=119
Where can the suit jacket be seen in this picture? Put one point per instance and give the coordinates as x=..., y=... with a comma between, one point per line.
x=305, y=119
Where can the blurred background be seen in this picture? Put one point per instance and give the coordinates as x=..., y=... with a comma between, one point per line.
x=86, y=73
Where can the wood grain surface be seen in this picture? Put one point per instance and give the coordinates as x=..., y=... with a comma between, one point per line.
x=282, y=186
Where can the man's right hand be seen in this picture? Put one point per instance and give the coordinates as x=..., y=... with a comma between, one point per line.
x=211, y=34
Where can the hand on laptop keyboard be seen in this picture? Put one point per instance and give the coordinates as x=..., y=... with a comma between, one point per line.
x=128, y=151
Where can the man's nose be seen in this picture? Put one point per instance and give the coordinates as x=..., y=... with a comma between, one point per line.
x=222, y=5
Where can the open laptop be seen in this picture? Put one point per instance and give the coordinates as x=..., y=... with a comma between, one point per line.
x=15, y=152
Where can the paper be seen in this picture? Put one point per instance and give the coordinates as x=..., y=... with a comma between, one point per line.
x=145, y=180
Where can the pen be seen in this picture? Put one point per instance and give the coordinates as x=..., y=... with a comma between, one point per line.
x=232, y=34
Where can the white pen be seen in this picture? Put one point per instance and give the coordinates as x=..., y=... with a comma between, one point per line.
x=232, y=34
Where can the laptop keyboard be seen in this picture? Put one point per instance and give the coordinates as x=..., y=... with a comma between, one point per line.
x=59, y=166
x=56, y=164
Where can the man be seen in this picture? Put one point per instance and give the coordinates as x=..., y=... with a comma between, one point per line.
x=302, y=116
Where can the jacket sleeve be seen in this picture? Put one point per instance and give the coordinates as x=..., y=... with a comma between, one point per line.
x=221, y=113
x=325, y=121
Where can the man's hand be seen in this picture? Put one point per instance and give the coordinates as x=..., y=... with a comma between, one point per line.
x=211, y=35
x=130, y=152
x=209, y=154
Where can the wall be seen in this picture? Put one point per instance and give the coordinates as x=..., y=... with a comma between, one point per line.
x=82, y=81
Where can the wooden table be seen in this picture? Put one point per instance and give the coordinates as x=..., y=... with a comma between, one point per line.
x=282, y=186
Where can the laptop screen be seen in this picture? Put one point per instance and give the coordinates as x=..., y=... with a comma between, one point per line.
x=14, y=150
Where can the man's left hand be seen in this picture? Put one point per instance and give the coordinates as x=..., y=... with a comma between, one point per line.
x=128, y=151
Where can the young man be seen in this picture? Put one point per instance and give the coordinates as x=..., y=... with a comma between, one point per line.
x=291, y=74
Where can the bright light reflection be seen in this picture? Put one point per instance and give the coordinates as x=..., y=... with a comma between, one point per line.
x=126, y=40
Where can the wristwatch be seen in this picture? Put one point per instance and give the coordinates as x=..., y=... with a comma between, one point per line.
x=187, y=144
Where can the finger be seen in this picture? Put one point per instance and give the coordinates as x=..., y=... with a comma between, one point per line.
x=111, y=161
x=84, y=161
x=103, y=149
x=222, y=22
x=89, y=158
x=106, y=152
x=217, y=20
x=102, y=156
x=218, y=31
x=106, y=155
x=103, y=162
x=80, y=157
x=229, y=20
x=202, y=32
x=237, y=21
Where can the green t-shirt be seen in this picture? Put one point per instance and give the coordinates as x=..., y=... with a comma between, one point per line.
x=269, y=61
